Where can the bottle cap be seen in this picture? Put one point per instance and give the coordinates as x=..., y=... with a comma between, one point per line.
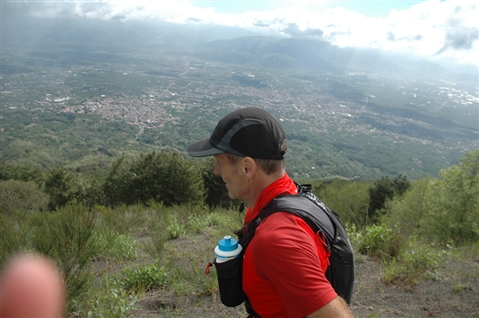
x=228, y=244
x=228, y=248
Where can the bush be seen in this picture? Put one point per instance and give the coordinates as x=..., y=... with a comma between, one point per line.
x=122, y=219
x=156, y=228
x=21, y=196
x=216, y=193
x=112, y=303
x=12, y=240
x=226, y=220
x=349, y=199
x=66, y=237
x=405, y=212
x=60, y=185
x=175, y=228
x=108, y=300
x=163, y=177
x=453, y=203
x=417, y=260
x=115, y=246
x=142, y=278
x=378, y=240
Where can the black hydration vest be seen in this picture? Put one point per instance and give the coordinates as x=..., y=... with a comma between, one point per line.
x=321, y=219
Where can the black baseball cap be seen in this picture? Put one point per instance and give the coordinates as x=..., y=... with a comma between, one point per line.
x=248, y=132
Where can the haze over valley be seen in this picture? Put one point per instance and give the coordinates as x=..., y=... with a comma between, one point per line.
x=81, y=94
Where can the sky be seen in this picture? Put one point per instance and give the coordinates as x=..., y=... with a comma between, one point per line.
x=446, y=30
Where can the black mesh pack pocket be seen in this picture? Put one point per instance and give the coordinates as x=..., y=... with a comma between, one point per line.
x=229, y=282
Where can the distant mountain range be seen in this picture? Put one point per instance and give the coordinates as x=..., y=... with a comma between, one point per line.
x=319, y=55
x=218, y=43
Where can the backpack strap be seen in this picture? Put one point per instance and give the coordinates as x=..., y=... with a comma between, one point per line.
x=321, y=219
x=307, y=210
x=297, y=205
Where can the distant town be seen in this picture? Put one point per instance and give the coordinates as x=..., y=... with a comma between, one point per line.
x=185, y=87
x=59, y=109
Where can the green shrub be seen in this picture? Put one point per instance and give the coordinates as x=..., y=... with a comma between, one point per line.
x=157, y=229
x=62, y=187
x=453, y=204
x=175, y=229
x=417, y=260
x=156, y=246
x=350, y=199
x=405, y=212
x=459, y=287
x=216, y=194
x=423, y=259
x=123, y=218
x=226, y=221
x=189, y=279
x=115, y=246
x=154, y=176
x=354, y=235
x=108, y=300
x=12, y=240
x=198, y=219
x=113, y=303
x=377, y=240
x=21, y=196
x=197, y=223
x=142, y=278
x=66, y=237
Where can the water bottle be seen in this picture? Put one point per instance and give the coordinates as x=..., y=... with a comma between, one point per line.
x=228, y=248
x=228, y=269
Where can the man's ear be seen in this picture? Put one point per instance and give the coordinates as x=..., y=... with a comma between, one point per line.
x=249, y=167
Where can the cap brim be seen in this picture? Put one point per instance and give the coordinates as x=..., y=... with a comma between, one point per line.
x=203, y=148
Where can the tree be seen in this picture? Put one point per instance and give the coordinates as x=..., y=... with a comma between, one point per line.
x=406, y=211
x=400, y=185
x=163, y=177
x=60, y=185
x=21, y=196
x=348, y=198
x=383, y=189
x=117, y=182
x=453, y=203
x=22, y=173
x=215, y=191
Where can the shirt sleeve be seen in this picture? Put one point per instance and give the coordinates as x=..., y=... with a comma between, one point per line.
x=285, y=252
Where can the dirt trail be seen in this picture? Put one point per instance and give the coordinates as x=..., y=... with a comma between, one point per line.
x=456, y=294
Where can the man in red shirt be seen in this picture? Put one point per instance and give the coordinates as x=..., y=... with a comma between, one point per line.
x=284, y=266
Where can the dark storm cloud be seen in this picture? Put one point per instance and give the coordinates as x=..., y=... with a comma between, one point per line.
x=293, y=30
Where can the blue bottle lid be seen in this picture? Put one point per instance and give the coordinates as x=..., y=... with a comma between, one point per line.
x=228, y=244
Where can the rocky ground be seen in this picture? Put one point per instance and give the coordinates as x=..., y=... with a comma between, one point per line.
x=454, y=293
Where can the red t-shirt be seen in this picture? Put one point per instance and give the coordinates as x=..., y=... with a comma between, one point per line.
x=284, y=265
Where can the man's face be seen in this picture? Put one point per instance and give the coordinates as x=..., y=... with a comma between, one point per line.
x=236, y=181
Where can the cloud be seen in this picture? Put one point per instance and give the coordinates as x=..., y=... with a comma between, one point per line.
x=294, y=30
x=261, y=24
x=431, y=28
